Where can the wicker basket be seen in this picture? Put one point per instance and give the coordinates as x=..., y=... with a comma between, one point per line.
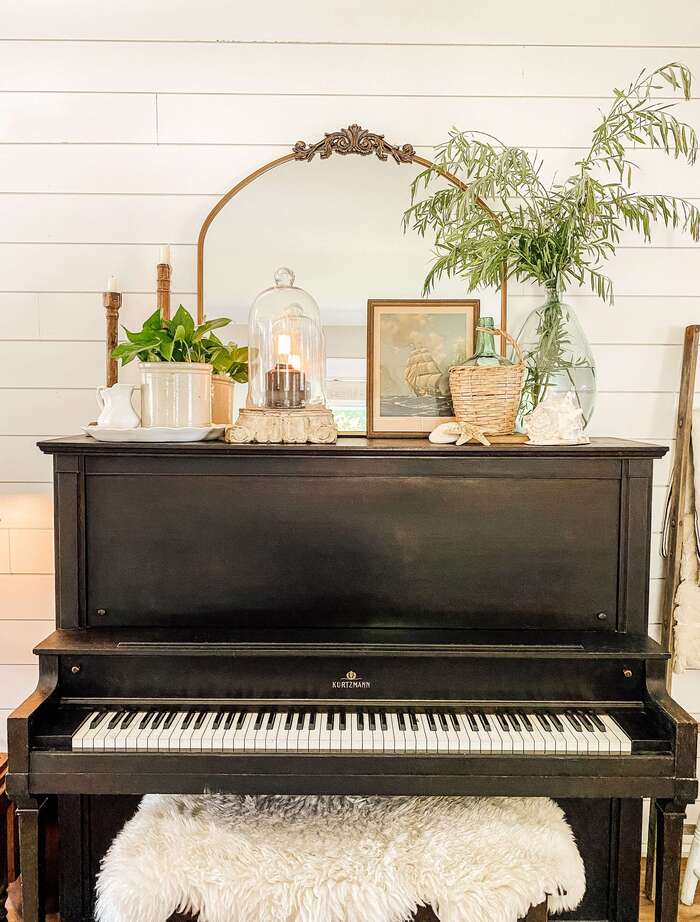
x=488, y=397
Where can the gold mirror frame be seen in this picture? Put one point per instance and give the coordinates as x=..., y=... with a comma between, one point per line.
x=351, y=140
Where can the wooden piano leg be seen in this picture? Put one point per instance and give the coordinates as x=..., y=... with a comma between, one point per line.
x=31, y=858
x=669, y=843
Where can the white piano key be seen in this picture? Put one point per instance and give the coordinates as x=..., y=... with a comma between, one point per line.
x=377, y=737
x=155, y=732
x=452, y=735
x=616, y=730
x=409, y=732
x=121, y=743
x=398, y=734
x=103, y=732
x=217, y=740
x=472, y=736
x=346, y=733
x=242, y=723
x=366, y=737
x=229, y=731
x=199, y=731
x=325, y=734
x=85, y=730
x=314, y=741
x=541, y=741
x=518, y=736
x=335, y=741
x=303, y=732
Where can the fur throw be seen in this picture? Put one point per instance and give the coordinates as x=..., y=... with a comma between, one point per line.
x=339, y=859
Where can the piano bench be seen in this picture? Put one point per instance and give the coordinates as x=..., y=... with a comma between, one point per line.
x=313, y=858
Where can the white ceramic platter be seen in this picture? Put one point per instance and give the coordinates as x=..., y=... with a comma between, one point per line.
x=155, y=434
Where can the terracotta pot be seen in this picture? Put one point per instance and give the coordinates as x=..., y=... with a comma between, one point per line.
x=175, y=394
x=222, y=391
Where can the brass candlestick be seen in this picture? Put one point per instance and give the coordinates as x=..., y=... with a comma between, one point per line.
x=163, y=290
x=112, y=301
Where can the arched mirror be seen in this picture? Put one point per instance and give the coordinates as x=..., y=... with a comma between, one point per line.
x=337, y=222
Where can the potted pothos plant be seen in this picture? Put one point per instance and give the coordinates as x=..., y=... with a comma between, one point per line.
x=176, y=371
x=560, y=233
x=229, y=362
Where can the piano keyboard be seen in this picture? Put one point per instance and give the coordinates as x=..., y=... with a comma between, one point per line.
x=409, y=731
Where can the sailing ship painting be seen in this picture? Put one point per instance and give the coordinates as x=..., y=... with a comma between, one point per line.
x=416, y=353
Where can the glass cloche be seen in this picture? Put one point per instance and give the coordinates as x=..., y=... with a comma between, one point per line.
x=286, y=348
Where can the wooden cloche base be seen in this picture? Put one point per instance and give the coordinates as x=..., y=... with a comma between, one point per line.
x=310, y=424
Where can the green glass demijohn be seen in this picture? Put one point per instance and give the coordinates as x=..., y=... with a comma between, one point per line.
x=485, y=353
x=557, y=355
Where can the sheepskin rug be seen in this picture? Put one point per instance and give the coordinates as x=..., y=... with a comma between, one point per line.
x=339, y=859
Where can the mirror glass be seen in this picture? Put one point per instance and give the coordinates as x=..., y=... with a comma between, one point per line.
x=337, y=224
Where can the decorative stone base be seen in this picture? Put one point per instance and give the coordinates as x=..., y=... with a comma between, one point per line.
x=312, y=424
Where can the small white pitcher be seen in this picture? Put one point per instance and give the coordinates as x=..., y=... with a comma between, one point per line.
x=116, y=410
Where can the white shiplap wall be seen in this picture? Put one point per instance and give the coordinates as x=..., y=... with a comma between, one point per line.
x=121, y=123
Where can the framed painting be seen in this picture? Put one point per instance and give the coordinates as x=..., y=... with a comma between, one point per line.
x=411, y=346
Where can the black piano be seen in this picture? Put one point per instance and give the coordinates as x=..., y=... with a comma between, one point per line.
x=376, y=617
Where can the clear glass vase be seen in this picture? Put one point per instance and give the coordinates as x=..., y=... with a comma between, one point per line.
x=558, y=356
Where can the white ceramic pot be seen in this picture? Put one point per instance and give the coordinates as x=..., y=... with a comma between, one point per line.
x=222, y=391
x=175, y=394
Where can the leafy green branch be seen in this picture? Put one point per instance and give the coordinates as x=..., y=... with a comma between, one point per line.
x=562, y=233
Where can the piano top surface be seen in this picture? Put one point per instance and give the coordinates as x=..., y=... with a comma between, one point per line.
x=367, y=641
x=598, y=448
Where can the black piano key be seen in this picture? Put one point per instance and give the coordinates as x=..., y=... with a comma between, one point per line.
x=471, y=720
x=443, y=721
x=583, y=718
x=160, y=717
x=513, y=718
x=526, y=722
x=544, y=722
x=259, y=717
x=343, y=720
x=484, y=721
x=431, y=721
x=597, y=721
x=558, y=725
x=128, y=720
x=330, y=720
x=503, y=722
x=115, y=721
x=241, y=720
x=146, y=719
x=573, y=720
x=217, y=720
x=97, y=720
x=170, y=720
x=271, y=720
x=312, y=720
x=301, y=720
x=189, y=717
x=413, y=721
x=401, y=720
x=360, y=721
x=288, y=721
x=372, y=721
x=383, y=723
x=201, y=717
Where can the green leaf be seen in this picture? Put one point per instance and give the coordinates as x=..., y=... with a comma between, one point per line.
x=208, y=325
x=154, y=322
x=182, y=318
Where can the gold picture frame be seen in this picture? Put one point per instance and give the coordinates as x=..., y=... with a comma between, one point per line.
x=411, y=345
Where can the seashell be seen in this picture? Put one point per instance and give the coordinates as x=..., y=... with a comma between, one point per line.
x=445, y=434
x=558, y=420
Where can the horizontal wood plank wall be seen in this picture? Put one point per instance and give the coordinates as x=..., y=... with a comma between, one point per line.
x=120, y=125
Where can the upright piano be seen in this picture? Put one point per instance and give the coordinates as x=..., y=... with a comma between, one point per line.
x=372, y=617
